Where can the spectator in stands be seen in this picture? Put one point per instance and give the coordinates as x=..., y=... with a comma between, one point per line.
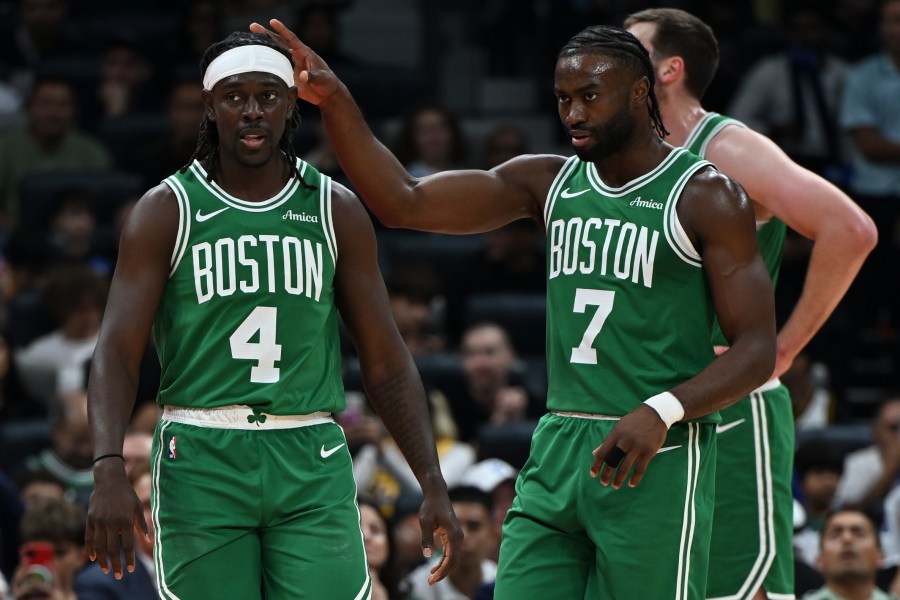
x=512, y=260
x=869, y=114
x=870, y=473
x=37, y=485
x=318, y=27
x=25, y=264
x=39, y=34
x=793, y=96
x=379, y=551
x=494, y=394
x=850, y=558
x=504, y=142
x=136, y=449
x=473, y=509
x=497, y=478
x=413, y=289
x=430, y=139
x=818, y=465
x=15, y=401
x=49, y=142
x=54, y=363
x=60, y=523
x=71, y=453
x=127, y=83
x=173, y=150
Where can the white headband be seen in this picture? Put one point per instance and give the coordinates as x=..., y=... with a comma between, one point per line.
x=246, y=59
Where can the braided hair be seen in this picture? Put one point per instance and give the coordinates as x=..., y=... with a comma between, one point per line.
x=208, y=140
x=618, y=43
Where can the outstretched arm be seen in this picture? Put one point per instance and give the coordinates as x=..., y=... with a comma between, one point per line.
x=469, y=201
x=718, y=217
x=141, y=274
x=842, y=234
x=389, y=374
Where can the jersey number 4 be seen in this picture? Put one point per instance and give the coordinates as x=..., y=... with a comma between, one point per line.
x=265, y=351
x=585, y=353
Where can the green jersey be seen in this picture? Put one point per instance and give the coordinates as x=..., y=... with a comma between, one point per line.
x=248, y=315
x=629, y=311
x=769, y=234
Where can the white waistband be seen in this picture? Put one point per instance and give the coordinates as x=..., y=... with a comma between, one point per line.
x=241, y=417
x=767, y=386
x=583, y=415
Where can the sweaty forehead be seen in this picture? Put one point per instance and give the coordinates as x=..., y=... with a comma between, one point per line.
x=582, y=69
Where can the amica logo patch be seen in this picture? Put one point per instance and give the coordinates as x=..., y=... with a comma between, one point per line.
x=305, y=218
x=645, y=203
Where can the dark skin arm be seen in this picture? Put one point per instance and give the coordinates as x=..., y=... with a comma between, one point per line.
x=465, y=201
x=875, y=146
x=719, y=219
x=389, y=373
x=137, y=286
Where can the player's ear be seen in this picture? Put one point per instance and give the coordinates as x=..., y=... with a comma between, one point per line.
x=670, y=69
x=208, y=105
x=640, y=91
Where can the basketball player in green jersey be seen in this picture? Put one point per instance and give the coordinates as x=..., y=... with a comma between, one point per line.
x=239, y=264
x=752, y=551
x=646, y=245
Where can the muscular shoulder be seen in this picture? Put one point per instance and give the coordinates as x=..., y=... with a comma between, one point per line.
x=153, y=223
x=712, y=199
x=535, y=172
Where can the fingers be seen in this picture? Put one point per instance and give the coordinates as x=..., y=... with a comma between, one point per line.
x=89, y=540
x=427, y=526
x=114, y=551
x=448, y=559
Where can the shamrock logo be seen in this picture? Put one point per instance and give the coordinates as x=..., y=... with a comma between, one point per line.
x=257, y=417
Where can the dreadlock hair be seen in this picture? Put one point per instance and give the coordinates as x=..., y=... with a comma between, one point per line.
x=208, y=140
x=624, y=47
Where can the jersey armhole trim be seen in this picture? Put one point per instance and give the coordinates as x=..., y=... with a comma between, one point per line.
x=676, y=235
x=184, y=222
x=553, y=192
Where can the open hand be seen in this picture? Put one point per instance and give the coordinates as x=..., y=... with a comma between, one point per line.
x=315, y=81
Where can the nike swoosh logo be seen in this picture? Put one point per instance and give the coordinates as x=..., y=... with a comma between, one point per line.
x=722, y=428
x=326, y=453
x=201, y=217
x=667, y=448
x=567, y=194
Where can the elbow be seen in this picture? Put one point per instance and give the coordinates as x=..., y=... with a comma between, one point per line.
x=864, y=234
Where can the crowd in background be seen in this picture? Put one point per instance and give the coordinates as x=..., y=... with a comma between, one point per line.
x=100, y=100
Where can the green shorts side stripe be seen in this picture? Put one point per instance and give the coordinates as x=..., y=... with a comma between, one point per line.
x=690, y=514
x=164, y=591
x=751, y=512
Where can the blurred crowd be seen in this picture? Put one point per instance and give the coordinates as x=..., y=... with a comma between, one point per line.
x=100, y=100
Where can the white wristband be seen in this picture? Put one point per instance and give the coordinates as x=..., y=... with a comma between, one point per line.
x=667, y=407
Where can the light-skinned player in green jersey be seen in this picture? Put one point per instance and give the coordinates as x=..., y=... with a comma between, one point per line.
x=241, y=264
x=752, y=545
x=646, y=245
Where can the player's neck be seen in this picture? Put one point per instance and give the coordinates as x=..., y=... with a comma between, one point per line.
x=680, y=113
x=252, y=183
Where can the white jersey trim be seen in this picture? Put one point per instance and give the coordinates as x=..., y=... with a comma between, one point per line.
x=274, y=202
x=184, y=222
x=327, y=219
x=675, y=234
x=237, y=417
x=695, y=133
x=617, y=192
x=553, y=193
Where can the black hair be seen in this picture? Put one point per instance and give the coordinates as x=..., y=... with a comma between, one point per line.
x=627, y=49
x=472, y=495
x=54, y=520
x=818, y=454
x=208, y=141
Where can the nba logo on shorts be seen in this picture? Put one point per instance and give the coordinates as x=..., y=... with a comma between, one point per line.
x=172, y=448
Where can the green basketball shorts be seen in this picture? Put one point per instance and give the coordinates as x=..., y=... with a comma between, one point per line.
x=567, y=536
x=248, y=505
x=752, y=539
